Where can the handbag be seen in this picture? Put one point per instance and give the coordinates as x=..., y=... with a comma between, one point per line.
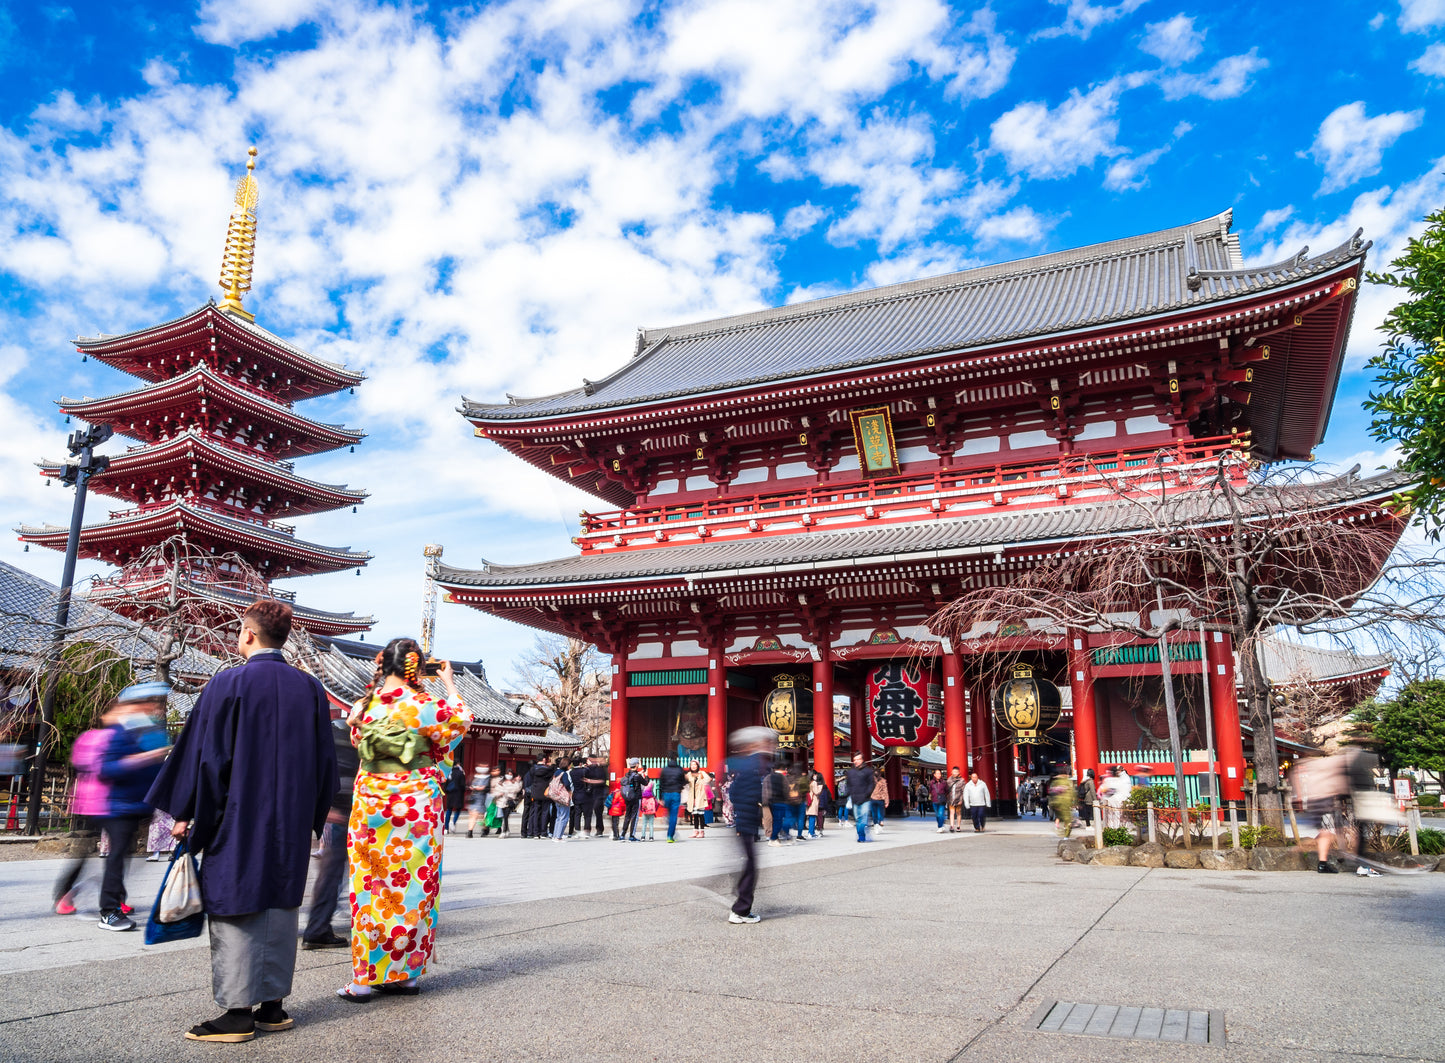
x=178, y=912
x=557, y=791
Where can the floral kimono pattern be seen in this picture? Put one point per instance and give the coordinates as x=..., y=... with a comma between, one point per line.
x=393, y=839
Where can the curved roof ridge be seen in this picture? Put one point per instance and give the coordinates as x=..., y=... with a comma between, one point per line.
x=1217, y=224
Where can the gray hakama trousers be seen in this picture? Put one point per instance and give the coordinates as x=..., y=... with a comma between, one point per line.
x=253, y=956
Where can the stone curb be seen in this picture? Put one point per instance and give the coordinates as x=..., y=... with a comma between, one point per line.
x=1260, y=858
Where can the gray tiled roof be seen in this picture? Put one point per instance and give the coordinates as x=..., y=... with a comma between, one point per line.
x=553, y=739
x=346, y=675
x=1286, y=661
x=1189, y=265
x=27, y=612
x=760, y=554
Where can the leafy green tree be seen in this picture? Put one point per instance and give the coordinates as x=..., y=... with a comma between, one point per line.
x=1408, y=406
x=1409, y=729
x=91, y=676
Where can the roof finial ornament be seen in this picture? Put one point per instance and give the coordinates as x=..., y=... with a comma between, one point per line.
x=240, y=253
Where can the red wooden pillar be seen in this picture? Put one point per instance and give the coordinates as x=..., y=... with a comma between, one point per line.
x=717, y=710
x=983, y=755
x=858, y=725
x=823, y=716
x=955, y=722
x=1228, y=742
x=617, y=755
x=1086, y=717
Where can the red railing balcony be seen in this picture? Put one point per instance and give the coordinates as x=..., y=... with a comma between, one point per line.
x=831, y=504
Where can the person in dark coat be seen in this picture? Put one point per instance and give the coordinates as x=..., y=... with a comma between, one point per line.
x=860, y=789
x=535, y=783
x=754, y=748
x=456, y=800
x=331, y=868
x=670, y=783
x=250, y=783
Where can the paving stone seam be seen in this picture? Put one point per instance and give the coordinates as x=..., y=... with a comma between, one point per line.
x=1045, y=972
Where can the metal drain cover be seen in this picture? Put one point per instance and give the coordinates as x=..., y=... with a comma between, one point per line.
x=1183, y=1025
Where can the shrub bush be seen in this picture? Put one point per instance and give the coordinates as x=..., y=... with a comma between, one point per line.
x=1432, y=841
x=1249, y=837
x=1429, y=800
x=1118, y=836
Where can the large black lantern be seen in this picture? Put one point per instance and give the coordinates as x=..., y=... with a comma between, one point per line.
x=1026, y=705
x=788, y=709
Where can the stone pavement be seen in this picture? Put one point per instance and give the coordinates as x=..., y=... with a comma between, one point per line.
x=920, y=947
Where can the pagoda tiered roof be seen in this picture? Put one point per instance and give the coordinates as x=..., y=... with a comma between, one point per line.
x=239, y=349
x=227, y=409
x=192, y=465
x=271, y=548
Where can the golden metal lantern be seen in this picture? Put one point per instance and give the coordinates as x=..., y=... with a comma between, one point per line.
x=788, y=709
x=1026, y=705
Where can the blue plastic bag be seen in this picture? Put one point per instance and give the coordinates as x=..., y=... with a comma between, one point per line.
x=191, y=926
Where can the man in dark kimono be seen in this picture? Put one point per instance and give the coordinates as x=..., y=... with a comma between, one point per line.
x=250, y=783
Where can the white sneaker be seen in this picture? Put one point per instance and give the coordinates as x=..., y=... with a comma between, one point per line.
x=751, y=917
x=775, y=842
x=941, y=830
x=1367, y=872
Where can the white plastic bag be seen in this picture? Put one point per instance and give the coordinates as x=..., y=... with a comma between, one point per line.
x=181, y=894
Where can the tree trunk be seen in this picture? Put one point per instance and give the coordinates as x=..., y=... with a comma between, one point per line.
x=1266, y=750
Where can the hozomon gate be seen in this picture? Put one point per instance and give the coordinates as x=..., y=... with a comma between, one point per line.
x=801, y=488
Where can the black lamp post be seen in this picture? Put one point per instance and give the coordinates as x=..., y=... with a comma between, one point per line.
x=82, y=444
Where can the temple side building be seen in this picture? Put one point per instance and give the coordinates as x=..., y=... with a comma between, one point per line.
x=215, y=431
x=798, y=490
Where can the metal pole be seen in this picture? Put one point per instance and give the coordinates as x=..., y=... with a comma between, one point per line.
x=1209, y=740
x=82, y=444
x=1175, y=749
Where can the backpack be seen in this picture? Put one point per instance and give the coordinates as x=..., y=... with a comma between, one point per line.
x=629, y=787
x=557, y=791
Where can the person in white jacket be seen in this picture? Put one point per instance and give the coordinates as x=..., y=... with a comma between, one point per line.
x=976, y=799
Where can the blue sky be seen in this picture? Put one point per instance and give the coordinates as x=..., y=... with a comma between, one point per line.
x=491, y=198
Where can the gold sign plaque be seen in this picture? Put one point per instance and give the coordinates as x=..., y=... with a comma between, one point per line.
x=873, y=435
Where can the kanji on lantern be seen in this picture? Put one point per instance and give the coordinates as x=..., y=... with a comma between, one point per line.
x=905, y=705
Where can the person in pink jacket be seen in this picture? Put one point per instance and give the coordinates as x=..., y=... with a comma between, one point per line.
x=87, y=804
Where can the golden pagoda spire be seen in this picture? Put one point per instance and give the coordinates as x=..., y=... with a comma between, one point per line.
x=240, y=253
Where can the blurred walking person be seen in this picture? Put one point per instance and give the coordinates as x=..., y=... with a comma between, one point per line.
x=129, y=762
x=404, y=739
x=456, y=799
x=331, y=867
x=671, y=781
x=479, y=796
x=559, y=795
x=860, y=786
x=753, y=748
x=956, y=783
x=251, y=781
x=88, y=804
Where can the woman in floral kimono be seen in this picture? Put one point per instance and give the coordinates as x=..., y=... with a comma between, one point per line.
x=404, y=738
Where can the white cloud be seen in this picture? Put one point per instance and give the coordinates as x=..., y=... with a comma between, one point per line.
x=1128, y=173
x=1350, y=145
x=1083, y=18
x=1432, y=62
x=1049, y=143
x=229, y=22
x=1226, y=79
x=1420, y=16
x=801, y=218
x=1173, y=41
x=1377, y=20
x=1390, y=217
x=1273, y=219
x=1021, y=224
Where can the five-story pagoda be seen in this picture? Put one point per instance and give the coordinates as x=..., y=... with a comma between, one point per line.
x=215, y=427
